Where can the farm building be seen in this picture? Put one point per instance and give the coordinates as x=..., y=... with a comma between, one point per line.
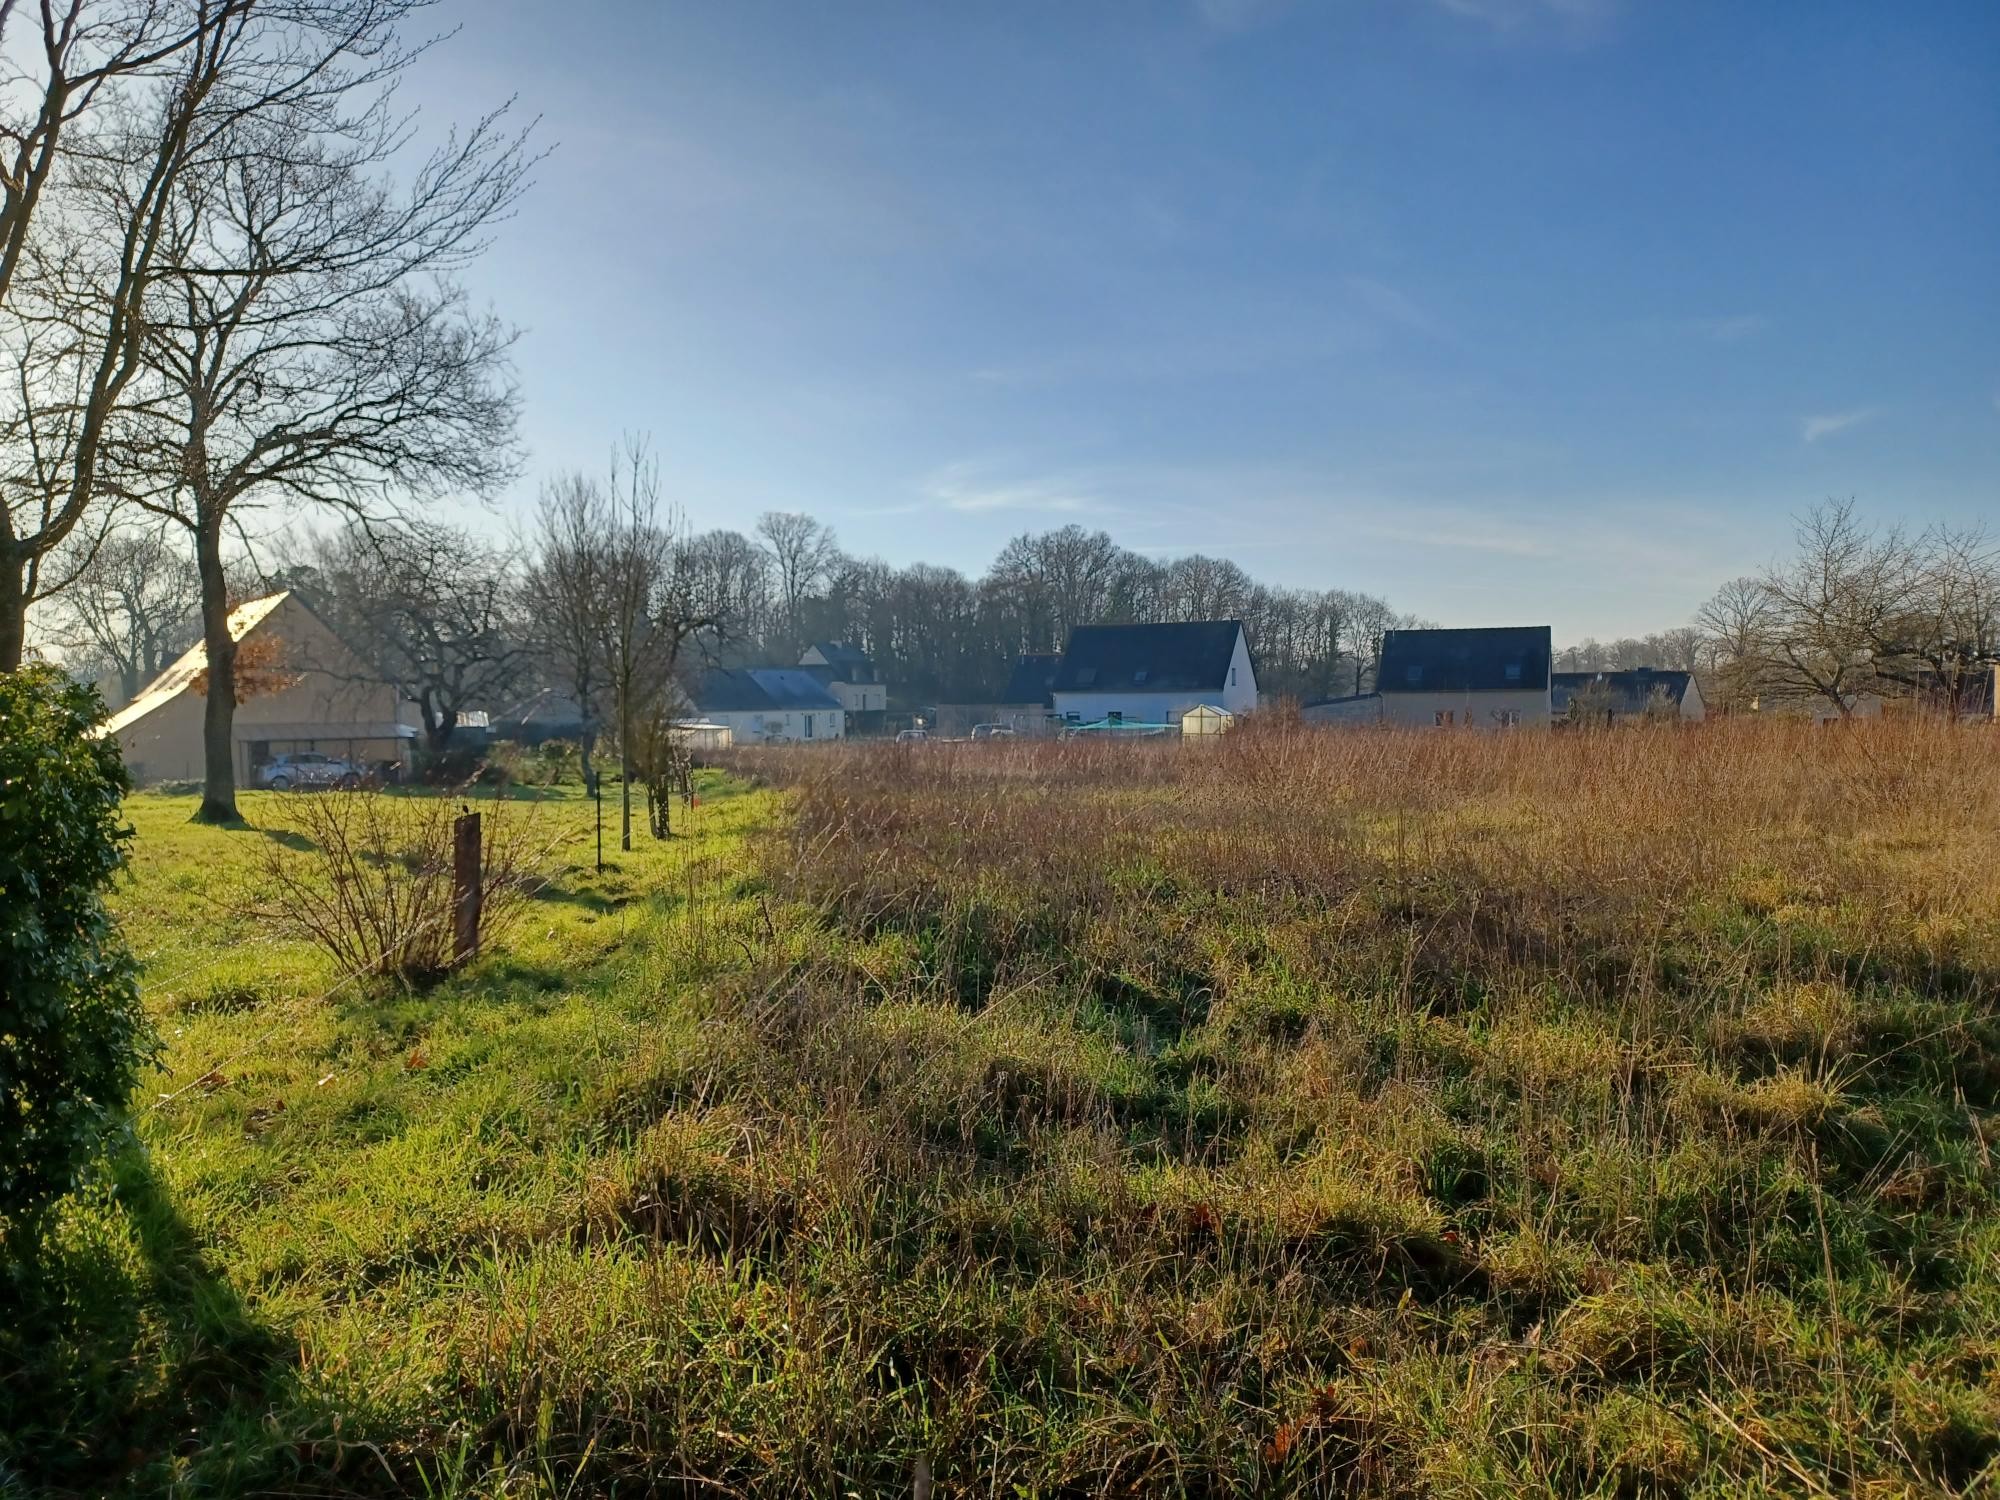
x=1627, y=695
x=1154, y=673
x=300, y=687
x=763, y=704
x=1026, y=704
x=847, y=672
x=1487, y=678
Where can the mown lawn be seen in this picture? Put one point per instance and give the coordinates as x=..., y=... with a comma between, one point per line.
x=1311, y=1114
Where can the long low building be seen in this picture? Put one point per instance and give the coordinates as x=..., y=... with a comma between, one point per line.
x=1641, y=692
x=299, y=687
x=760, y=705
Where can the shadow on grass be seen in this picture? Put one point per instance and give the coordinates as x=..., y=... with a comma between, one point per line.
x=291, y=839
x=126, y=1361
x=616, y=894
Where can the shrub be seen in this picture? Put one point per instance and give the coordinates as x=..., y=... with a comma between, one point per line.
x=72, y=1034
x=368, y=877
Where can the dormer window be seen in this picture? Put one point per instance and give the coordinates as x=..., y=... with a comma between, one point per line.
x=1413, y=674
x=1086, y=676
x=1139, y=678
x=1513, y=671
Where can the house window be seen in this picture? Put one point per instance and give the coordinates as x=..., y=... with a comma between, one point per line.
x=1443, y=718
x=1139, y=678
x=1232, y=677
x=1508, y=717
x=809, y=726
x=1085, y=676
x=1116, y=716
x=1413, y=674
x=1513, y=671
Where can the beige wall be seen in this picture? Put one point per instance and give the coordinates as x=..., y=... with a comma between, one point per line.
x=1476, y=710
x=166, y=743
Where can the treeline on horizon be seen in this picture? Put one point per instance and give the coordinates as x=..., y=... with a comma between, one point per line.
x=469, y=620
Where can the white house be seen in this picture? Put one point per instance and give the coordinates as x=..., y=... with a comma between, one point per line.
x=1488, y=678
x=848, y=673
x=763, y=704
x=1152, y=674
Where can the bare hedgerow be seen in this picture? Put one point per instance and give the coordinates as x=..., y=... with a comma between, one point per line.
x=367, y=876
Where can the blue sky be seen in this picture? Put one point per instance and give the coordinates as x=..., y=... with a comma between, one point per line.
x=1507, y=310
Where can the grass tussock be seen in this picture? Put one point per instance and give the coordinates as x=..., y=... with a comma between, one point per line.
x=1310, y=1114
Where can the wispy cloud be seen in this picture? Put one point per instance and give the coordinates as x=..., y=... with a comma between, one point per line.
x=1826, y=424
x=972, y=488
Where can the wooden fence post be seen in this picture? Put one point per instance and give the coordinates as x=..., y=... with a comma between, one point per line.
x=467, y=887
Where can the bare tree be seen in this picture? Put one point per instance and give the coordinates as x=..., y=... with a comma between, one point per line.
x=563, y=589
x=74, y=339
x=303, y=339
x=1942, y=637
x=1829, y=608
x=801, y=550
x=1734, y=626
x=431, y=607
x=651, y=606
x=134, y=603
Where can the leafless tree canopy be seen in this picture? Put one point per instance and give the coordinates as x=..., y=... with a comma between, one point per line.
x=429, y=606
x=1859, y=609
x=132, y=606
x=238, y=307
x=621, y=592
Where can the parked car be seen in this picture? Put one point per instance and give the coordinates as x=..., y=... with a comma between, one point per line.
x=911, y=737
x=303, y=768
x=993, y=731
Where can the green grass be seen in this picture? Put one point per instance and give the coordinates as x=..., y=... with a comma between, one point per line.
x=1340, y=1115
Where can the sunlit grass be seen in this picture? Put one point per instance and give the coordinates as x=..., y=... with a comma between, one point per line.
x=1322, y=1114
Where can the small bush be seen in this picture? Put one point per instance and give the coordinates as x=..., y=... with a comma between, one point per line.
x=368, y=878
x=72, y=1034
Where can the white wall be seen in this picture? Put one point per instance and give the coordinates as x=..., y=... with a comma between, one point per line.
x=860, y=697
x=752, y=726
x=1474, y=710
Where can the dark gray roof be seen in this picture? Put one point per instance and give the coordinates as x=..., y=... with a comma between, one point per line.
x=1501, y=658
x=725, y=690
x=1190, y=655
x=1629, y=691
x=844, y=663
x=1032, y=679
x=840, y=654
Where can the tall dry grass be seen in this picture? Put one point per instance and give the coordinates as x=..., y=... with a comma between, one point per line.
x=1415, y=1112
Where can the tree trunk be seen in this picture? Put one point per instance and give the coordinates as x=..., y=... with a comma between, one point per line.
x=13, y=613
x=624, y=791
x=218, y=790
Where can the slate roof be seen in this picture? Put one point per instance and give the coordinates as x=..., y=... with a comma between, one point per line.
x=840, y=654
x=1503, y=658
x=726, y=690
x=1190, y=655
x=1032, y=679
x=1630, y=691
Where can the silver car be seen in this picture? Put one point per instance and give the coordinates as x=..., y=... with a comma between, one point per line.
x=303, y=768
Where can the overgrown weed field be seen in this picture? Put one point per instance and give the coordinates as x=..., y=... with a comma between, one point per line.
x=1304, y=1114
